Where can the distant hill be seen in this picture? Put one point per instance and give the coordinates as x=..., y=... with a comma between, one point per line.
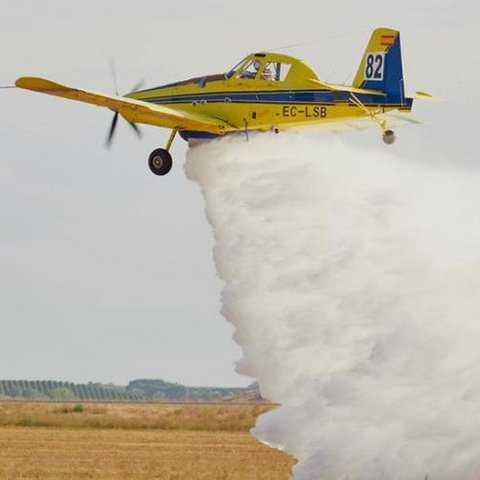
x=136, y=390
x=161, y=390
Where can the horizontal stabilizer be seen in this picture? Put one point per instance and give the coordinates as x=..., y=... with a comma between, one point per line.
x=344, y=88
x=419, y=95
x=395, y=119
x=389, y=120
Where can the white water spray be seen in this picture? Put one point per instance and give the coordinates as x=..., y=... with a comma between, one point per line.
x=353, y=280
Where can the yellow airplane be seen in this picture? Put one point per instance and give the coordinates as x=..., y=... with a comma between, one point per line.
x=264, y=92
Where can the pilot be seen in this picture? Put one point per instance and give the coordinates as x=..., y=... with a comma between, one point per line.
x=252, y=74
x=267, y=74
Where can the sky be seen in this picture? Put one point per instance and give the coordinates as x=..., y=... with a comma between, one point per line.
x=106, y=271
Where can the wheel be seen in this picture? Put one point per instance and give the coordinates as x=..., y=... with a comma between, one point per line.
x=388, y=137
x=160, y=161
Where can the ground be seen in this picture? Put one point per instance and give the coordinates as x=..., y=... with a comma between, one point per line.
x=205, y=442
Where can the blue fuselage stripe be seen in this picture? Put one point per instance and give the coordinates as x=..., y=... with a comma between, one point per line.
x=280, y=97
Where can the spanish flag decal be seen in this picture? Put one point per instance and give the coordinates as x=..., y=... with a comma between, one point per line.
x=387, y=40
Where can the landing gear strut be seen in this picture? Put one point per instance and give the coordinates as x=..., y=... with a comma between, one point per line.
x=160, y=160
x=388, y=135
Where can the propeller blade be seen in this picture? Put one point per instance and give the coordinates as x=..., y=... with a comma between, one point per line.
x=113, y=70
x=111, y=132
x=138, y=86
x=136, y=129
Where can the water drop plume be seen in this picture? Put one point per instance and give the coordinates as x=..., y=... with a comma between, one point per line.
x=352, y=278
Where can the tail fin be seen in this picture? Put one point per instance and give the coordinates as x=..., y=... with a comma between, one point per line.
x=381, y=66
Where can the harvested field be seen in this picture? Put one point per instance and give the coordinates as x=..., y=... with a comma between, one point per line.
x=226, y=417
x=115, y=449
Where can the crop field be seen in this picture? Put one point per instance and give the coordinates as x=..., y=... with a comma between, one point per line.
x=135, y=441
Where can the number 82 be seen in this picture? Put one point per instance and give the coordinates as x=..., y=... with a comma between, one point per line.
x=374, y=66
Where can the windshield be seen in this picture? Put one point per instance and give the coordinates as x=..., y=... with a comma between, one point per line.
x=232, y=71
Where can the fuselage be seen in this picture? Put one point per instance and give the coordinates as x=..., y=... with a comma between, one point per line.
x=261, y=102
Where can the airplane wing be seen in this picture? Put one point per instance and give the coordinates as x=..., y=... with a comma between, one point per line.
x=135, y=111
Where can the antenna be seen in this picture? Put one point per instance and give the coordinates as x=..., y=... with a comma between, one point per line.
x=319, y=40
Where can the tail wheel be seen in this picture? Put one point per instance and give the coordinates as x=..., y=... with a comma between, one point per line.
x=160, y=161
x=389, y=137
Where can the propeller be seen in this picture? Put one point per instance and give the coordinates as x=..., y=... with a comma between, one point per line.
x=111, y=132
x=113, y=125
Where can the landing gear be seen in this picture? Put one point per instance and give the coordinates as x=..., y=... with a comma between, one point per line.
x=388, y=137
x=160, y=160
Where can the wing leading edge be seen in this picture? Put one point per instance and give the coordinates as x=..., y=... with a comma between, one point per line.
x=135, y=111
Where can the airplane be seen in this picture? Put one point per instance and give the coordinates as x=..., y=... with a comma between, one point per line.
x=266, y=91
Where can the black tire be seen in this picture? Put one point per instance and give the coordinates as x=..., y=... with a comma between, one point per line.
x=389, y=137
x=160, y=161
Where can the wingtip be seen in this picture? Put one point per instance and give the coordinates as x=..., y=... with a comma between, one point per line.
x=35, y=83
x=21, y=82
x=27, y=82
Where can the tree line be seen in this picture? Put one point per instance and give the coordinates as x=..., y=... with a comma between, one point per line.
x=136, y=390
x=54, y=390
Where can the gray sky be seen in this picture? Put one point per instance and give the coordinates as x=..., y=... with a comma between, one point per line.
x=106, y=271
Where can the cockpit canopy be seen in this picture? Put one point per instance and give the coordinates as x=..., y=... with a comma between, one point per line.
x=261, y=70
x=272, y=67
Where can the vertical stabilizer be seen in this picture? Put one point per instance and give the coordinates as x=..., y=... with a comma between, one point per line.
x=381, y=66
